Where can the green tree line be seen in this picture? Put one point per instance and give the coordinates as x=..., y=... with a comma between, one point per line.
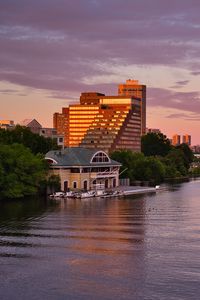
x=23, y=135
x=23, y=170
x=157, y=162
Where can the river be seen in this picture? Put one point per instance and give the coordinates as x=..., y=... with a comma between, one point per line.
x=144, y=247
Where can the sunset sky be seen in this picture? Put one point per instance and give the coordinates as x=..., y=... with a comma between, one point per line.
x=52, y=50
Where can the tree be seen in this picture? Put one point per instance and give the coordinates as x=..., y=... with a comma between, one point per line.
x=125, y=157
x=139, y=167
x=150, y=169
x=20, y=171
x=53, y=183
x=23, y=135
x=174, y=162
x=188, y=154
x=155, y=144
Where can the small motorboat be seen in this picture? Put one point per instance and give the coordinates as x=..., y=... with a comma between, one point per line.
x=70, y=194
x=57, y=195
x=88, y=194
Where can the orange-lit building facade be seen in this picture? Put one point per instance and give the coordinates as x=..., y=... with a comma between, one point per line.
x=176, y=140
x=116, y=126
x=132, y=88
x=187, y=139
x=101, y=122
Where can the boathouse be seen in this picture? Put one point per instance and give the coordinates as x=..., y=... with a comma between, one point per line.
x=83, y=169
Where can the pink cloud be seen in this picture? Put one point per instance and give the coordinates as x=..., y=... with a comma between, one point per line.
x=54, y=45
x=187, y=101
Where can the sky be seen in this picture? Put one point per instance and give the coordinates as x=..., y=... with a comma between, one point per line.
x=52, y=50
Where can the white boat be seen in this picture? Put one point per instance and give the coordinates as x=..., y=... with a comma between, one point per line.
x=88, y=194
x=70, y=195
x=57, y=195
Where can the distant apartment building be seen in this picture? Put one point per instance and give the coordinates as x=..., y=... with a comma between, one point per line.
x=196, y=148
x=176, y=140
x=7, y=124
x=101, y=122
x=36, y=127
x=186, y=139
x=52, y=133
x=132, y=88
x=32, y=124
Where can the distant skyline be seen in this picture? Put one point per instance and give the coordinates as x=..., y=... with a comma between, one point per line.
x=52, y=50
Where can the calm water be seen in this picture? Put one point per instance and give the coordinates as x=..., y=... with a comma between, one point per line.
x=145, y=247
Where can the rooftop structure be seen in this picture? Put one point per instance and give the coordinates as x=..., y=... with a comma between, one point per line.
x=153, y=130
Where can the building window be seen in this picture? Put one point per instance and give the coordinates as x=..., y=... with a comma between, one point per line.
x=100, y=157
x=75, y=170
x=114, y=182
x=66, y=187
x=85, y=185
x=75, y=184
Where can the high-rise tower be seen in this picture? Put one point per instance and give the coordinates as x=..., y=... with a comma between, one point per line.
x=132, y=88
x=176, y=140
x=187, y=139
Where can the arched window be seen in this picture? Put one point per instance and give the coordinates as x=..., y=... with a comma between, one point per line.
x=75, y=185
x=100, y=157
x=51, y=161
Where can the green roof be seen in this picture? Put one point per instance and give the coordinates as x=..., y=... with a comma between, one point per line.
x=77, y=157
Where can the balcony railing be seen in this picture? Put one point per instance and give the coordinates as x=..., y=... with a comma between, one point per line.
x=105, y=174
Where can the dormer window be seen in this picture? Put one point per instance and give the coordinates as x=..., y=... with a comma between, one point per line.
x=100, y=157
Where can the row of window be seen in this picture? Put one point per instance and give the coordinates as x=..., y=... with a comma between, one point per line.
x=92, y=169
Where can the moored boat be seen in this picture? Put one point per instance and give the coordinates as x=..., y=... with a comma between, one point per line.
x=88, y=194
x=57, y=195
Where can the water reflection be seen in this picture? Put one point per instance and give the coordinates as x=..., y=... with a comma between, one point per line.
x=144, y=247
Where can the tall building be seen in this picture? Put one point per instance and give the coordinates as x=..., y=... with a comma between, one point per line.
x=176, y=140
x=101, y=122
x=132, y=88
x=116, y=126
x=187, y=139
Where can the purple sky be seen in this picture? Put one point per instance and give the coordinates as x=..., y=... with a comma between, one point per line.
x=51, y=50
